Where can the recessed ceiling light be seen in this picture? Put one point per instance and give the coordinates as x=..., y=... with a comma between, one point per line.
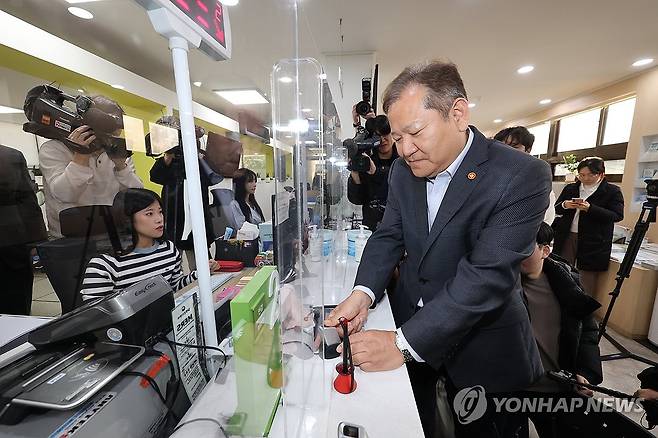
x=545, y=101
x=642, y=62
x=80, y=90
x=471, y=105
x=306, y=110
x=285, y=79
x=323, y=76
x=498, y=120
x=9, y=110
x=310, y=118
x=242, y=97
x=525, y=69
x=118, y=86
x=197, y=83
x=230, y=2
x=81, y=13
x=310, y=142
x=288, y=136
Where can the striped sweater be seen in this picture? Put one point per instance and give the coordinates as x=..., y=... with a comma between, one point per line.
x=106, y=274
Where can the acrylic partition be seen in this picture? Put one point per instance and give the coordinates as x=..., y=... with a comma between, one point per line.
x=298, y=125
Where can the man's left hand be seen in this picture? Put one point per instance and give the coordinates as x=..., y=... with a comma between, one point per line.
x=373, y=168
x=582, y=206
x=375, y=350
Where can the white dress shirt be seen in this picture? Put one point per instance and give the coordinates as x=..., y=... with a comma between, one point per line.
x=585, y=192
x=436, y=189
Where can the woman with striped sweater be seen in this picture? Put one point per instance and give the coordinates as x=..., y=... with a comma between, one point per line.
x=150, y=254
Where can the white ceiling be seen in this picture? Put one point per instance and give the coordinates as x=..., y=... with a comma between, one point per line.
x=575, y=45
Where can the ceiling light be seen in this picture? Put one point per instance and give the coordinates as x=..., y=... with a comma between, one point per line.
x=306, y=110
x=197, y=83
x=525, y=69
x=80, y=90
x=471, y=105
x=74, y=2
x=285, y=79
x=9, y=110
x=332, y=159
x=242, y=97
x=310, y=142
x=323, y=76
x=81, y=13
x=545, y=101
x=230, y=2
x=118, y=86
x=642, y=62
x=498, y=120
x=288, y=136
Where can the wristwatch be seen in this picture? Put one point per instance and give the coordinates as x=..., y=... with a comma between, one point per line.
x=406, y=354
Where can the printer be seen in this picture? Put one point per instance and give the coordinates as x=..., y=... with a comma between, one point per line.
x=79, y=353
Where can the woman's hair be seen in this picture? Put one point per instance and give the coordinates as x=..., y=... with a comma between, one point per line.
x=240, y=179
x=595, y=165
x=126, y=204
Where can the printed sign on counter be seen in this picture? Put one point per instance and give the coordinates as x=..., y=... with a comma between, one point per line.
x=186, y=331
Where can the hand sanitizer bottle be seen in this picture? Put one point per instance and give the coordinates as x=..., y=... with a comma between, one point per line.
x=360, y=243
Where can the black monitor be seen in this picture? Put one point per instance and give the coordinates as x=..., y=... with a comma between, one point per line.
x=285, y=234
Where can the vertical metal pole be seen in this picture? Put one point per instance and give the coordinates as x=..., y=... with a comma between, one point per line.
x=179, y=49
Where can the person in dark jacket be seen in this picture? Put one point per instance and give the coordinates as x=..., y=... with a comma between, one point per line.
x=169, y=171
x=370, y=189
x=587, y=211
x=21, y=226
x=561, y=316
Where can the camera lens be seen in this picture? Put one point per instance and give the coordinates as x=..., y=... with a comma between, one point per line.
x=363, y=108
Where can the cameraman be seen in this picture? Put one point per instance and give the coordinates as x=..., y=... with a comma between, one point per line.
x=370, y=188
x=169, y=171
x=86, y=174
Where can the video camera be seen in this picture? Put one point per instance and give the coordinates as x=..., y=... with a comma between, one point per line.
x=49, y=116
x=365, y=142
x=364, y=107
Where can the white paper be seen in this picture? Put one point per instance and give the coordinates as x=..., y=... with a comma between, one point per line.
x=189, y=359
x=282, y=206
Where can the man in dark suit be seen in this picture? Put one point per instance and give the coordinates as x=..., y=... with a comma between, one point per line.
x=21, y=225
x=462, y=213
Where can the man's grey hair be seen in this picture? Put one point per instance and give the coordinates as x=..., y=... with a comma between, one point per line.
x=442, y=80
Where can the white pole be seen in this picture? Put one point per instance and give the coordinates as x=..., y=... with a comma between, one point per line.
x=179, y=49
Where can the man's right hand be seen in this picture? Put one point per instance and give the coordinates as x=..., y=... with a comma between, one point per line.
x=354, y=308
x=568, y=205
x=83, y=137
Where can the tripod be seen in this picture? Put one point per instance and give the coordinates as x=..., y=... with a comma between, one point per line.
x=647, y=217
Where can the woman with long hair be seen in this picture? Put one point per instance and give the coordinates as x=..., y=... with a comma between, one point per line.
x=150, y=254
x=244, y=206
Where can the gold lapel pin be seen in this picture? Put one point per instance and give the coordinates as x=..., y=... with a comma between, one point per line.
x=471, y=175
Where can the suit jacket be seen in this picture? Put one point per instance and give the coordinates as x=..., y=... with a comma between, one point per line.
x=21, y=219
x=595, y=226
x=466, y=269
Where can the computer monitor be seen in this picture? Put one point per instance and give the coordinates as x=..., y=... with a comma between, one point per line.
x=285, y=234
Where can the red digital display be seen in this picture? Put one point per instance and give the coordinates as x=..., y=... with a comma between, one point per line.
x=208, y=14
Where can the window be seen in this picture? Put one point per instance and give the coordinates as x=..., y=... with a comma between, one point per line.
x=618, y=122
x=540, y=132
x=614, y=167
x=579, y=131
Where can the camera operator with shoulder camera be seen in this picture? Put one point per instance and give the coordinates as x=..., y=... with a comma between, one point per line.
x=90, y=165
x=372, y=152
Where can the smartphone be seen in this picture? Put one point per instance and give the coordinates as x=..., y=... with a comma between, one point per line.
x=577, y=200
x=350, y=430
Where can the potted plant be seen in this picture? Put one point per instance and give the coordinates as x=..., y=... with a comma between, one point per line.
x=571, y=163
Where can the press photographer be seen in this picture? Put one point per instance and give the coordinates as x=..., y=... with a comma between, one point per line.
x=86, y=161
x=169, y=171
x=371, y=154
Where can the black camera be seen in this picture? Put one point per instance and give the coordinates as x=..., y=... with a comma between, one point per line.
x=364, y=107
x=652, y=188
x=53, y=114
x=365, y=142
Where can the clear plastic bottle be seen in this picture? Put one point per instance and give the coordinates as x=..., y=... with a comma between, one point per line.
x=360, y=243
